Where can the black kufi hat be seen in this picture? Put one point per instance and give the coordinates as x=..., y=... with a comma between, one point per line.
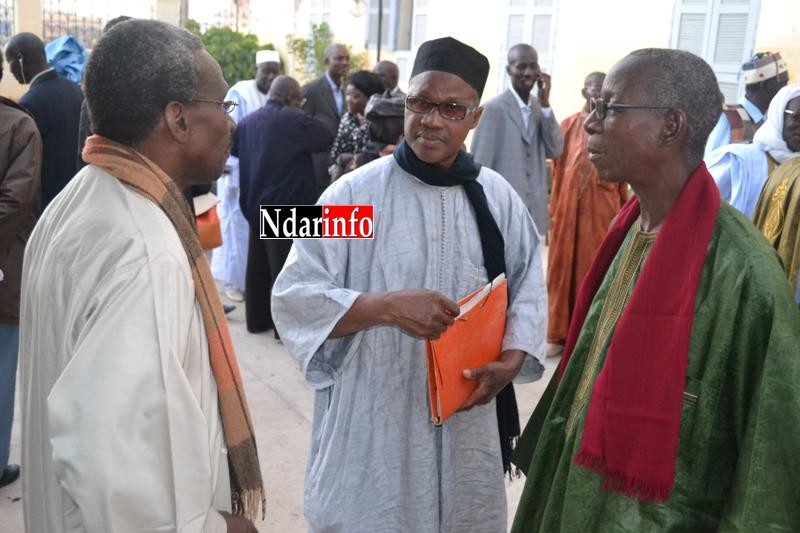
x=449, y=55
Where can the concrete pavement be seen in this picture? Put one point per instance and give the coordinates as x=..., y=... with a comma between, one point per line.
x=281, y=407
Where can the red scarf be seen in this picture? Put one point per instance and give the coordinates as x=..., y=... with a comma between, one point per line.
x=630, y=436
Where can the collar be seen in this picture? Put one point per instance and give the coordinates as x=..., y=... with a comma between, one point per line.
x=520, y=103
x=334, y=87
x=42, y=73
x=754, y=112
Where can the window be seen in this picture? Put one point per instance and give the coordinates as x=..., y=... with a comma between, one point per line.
x=531, y=22
x=396, y=24
x=6, y=22
x=405, y=62
x=319, y=11
x=720, y=31
x=419, y=31
x=387, y=18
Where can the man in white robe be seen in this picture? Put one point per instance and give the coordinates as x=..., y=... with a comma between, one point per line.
x=741, y=170
x=122, y=428
x=229, y=261
x=355, y=314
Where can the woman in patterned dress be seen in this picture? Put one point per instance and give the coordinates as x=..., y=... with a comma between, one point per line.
x=353, y=129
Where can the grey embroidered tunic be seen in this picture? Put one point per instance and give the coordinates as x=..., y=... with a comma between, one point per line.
x=377, y=463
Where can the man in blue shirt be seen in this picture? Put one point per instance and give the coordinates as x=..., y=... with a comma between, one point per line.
x=324, y=100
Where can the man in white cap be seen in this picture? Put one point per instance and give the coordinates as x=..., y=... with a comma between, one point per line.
x=229, y=261
x=764, y=75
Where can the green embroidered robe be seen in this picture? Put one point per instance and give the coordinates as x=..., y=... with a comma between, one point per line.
x=738, y=461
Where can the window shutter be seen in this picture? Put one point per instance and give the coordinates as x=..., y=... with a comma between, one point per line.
x=385, y=29
x=690, y=33
x=730, y=91
x=731, y=33
x=540, y=39
x=373, y=28
x=516, y=29
x=420, y=29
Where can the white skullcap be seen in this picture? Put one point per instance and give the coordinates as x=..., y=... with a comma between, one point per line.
x=267, y=56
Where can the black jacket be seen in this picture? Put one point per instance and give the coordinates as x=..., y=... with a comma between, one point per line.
x=55, y=103
x=274, y=147
x=320, y=103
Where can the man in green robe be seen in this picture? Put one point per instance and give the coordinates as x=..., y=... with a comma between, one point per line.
x=677, y=404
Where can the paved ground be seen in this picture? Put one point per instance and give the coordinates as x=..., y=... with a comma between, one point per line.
x=281, y=404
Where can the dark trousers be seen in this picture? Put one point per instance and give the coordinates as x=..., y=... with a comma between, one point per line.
x=265, y=259
x=9, y=350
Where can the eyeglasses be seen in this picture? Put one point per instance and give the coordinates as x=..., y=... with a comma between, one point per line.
x=228, y=105
x=794, y=114
x=600, y=107
x=448, y=110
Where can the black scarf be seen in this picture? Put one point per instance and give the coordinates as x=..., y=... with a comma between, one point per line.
x=464, y=172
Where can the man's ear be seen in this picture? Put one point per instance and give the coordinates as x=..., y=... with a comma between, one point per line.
x=476, y=116
x=177, y=121
x=508, y=70
x=675, y=128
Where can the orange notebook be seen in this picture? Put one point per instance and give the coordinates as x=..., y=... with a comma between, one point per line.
x=474, y=339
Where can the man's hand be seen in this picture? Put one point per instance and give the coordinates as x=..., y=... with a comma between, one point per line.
x=492, y=377
x=421, y=313
x=238, y=524
x=544, y=89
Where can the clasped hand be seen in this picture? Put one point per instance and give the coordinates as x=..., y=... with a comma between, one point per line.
x=492, y=377
x=427, y=314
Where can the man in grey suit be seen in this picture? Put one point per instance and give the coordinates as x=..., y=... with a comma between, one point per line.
x=324, y=100
x=516, y=133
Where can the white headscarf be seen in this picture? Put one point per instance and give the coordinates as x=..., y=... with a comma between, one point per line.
x=770, y=134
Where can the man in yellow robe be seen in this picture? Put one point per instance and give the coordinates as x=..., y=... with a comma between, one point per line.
x=778, y=217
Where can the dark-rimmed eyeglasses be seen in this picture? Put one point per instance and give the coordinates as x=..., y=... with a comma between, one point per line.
x=448, y=110
x=795, y=115
x=228, y=105
x=600, y=107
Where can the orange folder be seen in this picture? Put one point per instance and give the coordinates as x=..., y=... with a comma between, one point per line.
x=474, y=339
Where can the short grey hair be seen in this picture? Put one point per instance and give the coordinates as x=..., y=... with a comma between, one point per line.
x=136, y=69
x=684, y=81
